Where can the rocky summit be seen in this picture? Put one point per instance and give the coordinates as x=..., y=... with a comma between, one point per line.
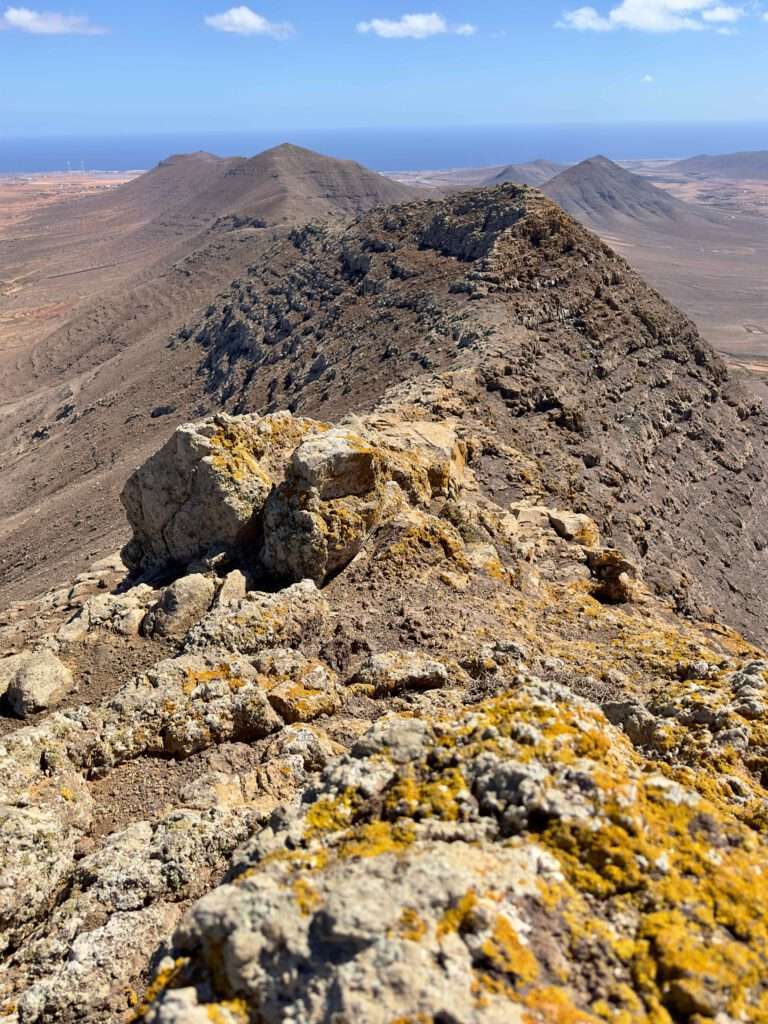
x=428, y=686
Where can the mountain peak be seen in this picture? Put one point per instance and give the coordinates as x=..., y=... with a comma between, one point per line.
x=599, y=191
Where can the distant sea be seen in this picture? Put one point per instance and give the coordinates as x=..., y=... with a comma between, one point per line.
x=392, y=149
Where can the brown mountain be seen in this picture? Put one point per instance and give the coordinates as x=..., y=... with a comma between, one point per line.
x=98, y=286
x=286, y=183
x=749, y=166
x=535, y=173
x=708, y=261
x=601, y=193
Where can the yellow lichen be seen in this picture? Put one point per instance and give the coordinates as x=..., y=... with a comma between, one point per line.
x=411, y=926
x=306, y=896
x=457, y=917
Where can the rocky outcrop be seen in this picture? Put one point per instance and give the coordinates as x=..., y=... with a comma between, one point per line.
x=204, y=490
x=456, y=868
x=341, y=484
x=616, y=407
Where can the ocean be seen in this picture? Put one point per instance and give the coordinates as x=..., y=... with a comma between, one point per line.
x=392, y=149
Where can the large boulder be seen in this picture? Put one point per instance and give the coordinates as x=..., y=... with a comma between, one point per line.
x=342, y=484
x=205, y=488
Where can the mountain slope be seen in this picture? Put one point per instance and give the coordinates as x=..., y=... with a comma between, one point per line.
x=749, y=166
x=535, y=173
x=122, y=273
x=600, y=192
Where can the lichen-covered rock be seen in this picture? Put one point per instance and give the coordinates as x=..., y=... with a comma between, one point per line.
x=184, y=705
x=298, y=688
x=334, y=494
x=262, y=620
x=394, y=671
x=183, y=604
x=461, y=879
x=205, y=488
x=342, y=484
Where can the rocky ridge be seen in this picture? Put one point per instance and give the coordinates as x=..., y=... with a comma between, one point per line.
x=567, y=356
x=553, y=813
x=393, y=714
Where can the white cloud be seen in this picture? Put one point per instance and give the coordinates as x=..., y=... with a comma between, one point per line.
x=414, y=26
x=48, y=23
x=722, y=14
x=585, y=19
x=648, y=79
x=653, y=16
x=245, y=22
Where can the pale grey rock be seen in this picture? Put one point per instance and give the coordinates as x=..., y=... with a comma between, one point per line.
x=333, y=496
x=93, y=973
x=34, y=681
x=233, y=588
x=576, y=527
x=353, y=938
x=634, y=718
x=183, y=604
x=311, y=743
x=108, y=564
x=394, y=671
x=400, y=740
x=200, y=491
x=260, y=620
x=119, y=613
x=184, y=705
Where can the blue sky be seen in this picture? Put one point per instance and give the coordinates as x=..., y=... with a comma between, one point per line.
x=198, y=64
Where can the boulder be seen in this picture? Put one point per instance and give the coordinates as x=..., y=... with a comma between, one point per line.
x=234, y=588
x=34, y=681
x=615, y=576
x=183, y=604
x=333, y=496
x=201, y=490
x=576, y=527
x=205, y=489
x=260, y=621
x=395, y=671
x=342, y=484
